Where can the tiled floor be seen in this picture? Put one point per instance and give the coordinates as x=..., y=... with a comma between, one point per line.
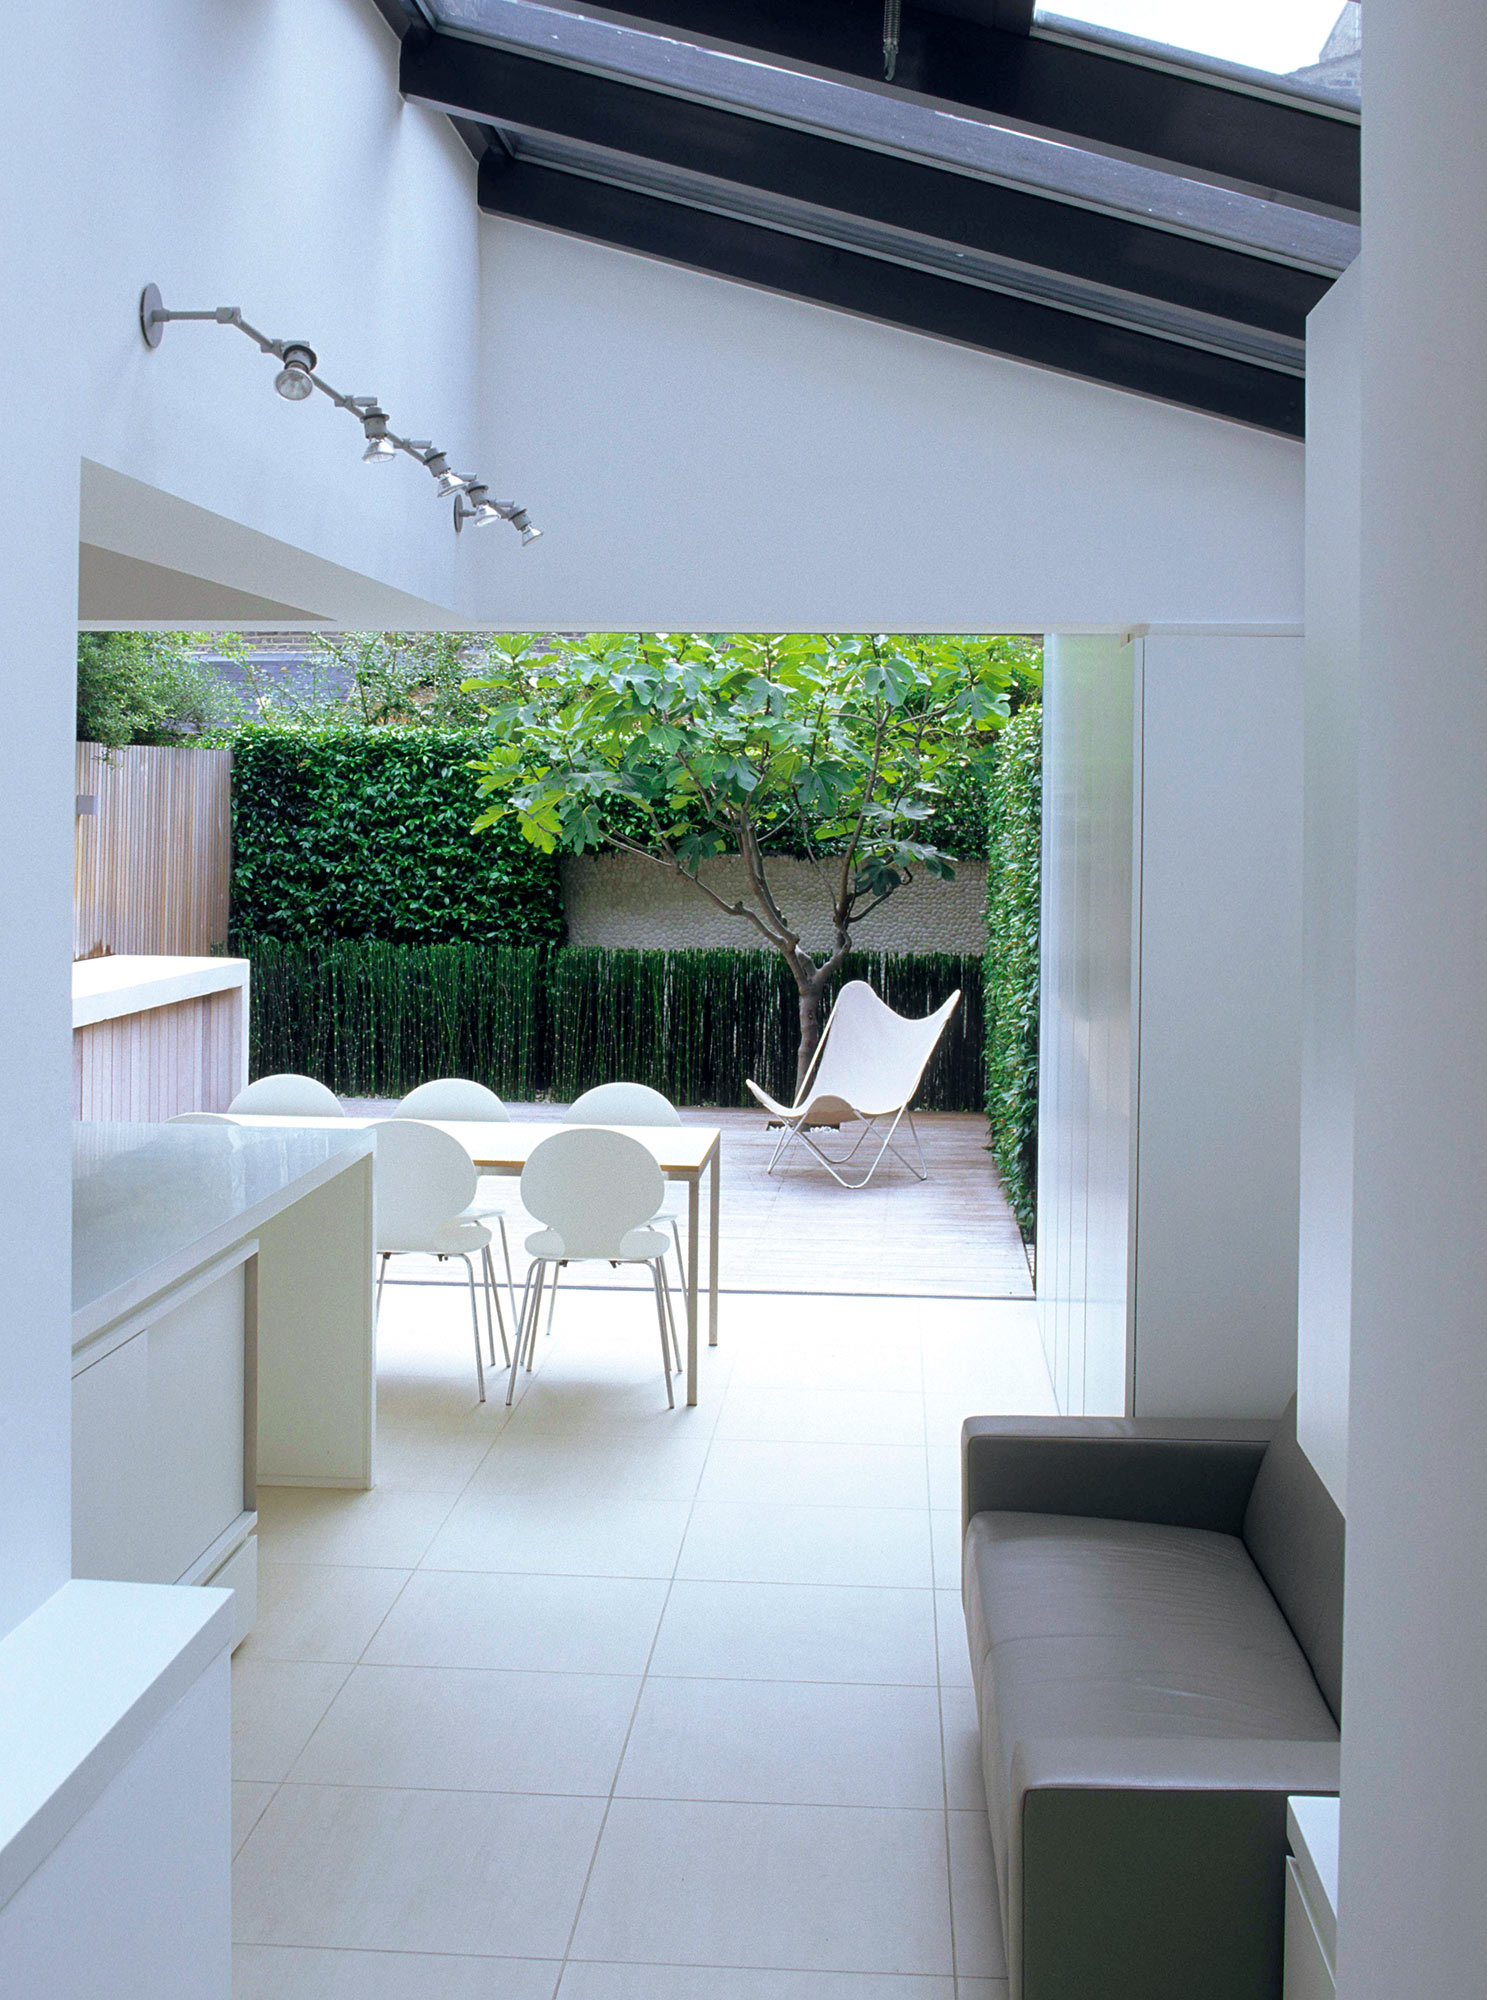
x=602, y=1702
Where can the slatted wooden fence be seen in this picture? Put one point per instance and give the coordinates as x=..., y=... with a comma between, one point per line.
x=153, y=864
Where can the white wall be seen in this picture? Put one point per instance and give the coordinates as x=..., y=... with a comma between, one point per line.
x=1169, y=1058
x=1333, y=498
x=702, y=454
x=1085, y=1084
x=1413, y=1918
x=1219, y=971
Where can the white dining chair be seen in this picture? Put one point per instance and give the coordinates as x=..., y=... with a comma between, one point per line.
x=596, y=1191
x=455, y=1100
x=631, y=1104
x=425, y=1180
x=286, y=1095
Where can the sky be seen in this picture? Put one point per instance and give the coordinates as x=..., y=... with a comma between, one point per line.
x=1277, y=35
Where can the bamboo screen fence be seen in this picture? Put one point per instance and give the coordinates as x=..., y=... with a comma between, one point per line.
x=153, y=859
x=373, y=1020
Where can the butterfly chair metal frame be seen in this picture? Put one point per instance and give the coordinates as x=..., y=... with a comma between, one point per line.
x=868, y=1065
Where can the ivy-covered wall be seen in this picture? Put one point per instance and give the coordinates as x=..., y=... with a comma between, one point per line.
x=1014, y=876
x=347, y=833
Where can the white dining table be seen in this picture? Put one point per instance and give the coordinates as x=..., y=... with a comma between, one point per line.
x=684, y=1153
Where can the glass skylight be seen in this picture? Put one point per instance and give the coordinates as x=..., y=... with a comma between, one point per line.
x=1312, y=43
x=898, y=124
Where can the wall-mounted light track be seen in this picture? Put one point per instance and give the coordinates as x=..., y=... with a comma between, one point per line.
x=297, y=379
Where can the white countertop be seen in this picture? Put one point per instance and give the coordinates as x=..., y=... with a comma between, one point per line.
x=130, y=982
x=151, y=1203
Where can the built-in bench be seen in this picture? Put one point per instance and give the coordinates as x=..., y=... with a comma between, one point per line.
x=1155, y=1621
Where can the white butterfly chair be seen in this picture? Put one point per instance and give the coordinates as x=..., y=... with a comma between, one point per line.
x=596, y=1191
x=867, y=1066
x=425, y=1180
x=452, y=1100
x=288, y=1096
x=628, y=1104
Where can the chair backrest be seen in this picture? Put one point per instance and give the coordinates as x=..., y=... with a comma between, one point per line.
x=622, y=1104
x=202, y=1118
x=871, y=1057
x=1294, y=1530
x=288, y=1096
x=452, y=1098
x=424, y=1179
x=592, y=1187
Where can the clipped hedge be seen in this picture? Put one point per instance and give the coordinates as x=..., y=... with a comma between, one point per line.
x=1011, y=987
x=372, y=1019
x=349, y=833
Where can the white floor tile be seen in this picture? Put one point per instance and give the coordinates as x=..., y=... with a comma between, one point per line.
x=955, y=1651
x=317, y=1611
x=288, y=1972
x=586, y=1981
x=979, y=1950
x=428, y=1458
x=561, y=1534
x=248, y=1803
x=981, y=1989
x=785, y=1743
x=275, y=1706
x=848, y=1545
x=944, y=1473
x=945, y=1527
x=539, y=1624
x=826, y=1358
x=419, y=1871
x=825, y=1416
x=456, y=1730
x=650, y=1468
x=965, y=1789
x=798, y=1632
x=378, y=1529
x=815, y=1474
x=802, y=1887
x=614, y=1411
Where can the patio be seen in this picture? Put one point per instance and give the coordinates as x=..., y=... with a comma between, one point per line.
x=796, y=1231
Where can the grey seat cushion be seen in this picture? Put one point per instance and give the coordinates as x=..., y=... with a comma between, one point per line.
x=1122, y=1629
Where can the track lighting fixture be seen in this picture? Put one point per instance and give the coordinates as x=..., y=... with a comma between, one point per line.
x=297, y=379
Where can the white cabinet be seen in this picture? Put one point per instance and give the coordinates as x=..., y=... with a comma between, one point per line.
x=162, y=1422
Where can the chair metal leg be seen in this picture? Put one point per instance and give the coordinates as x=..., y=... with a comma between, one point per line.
x=519, y=1338
x=676, y=1341
x=475, y=1322
x=493, y=1299
x=552, y=1303
x=659, y=1281
x=381, y=1274
x=506, y=1256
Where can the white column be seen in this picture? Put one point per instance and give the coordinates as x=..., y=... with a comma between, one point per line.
x=1413, y=1918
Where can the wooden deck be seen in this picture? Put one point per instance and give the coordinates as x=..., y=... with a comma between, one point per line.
x=952, y=1236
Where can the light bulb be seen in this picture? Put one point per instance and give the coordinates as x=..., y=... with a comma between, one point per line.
x=293, y=379
x=380, y=447
x=529, y=534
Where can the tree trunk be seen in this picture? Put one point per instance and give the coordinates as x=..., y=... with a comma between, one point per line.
x=811, y=995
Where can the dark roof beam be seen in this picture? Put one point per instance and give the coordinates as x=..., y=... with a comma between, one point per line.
x=471, y=80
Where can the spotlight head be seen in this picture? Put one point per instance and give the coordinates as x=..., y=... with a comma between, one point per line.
x=449, y=483
x=480, y=511
x=529, y=534
x=293, y=379
x=380, y=447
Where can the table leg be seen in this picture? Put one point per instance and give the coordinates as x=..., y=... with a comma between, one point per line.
x=714, y=1175
x=693, y=1273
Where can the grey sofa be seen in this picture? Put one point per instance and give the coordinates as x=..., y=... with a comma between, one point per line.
x=1155, y=1619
